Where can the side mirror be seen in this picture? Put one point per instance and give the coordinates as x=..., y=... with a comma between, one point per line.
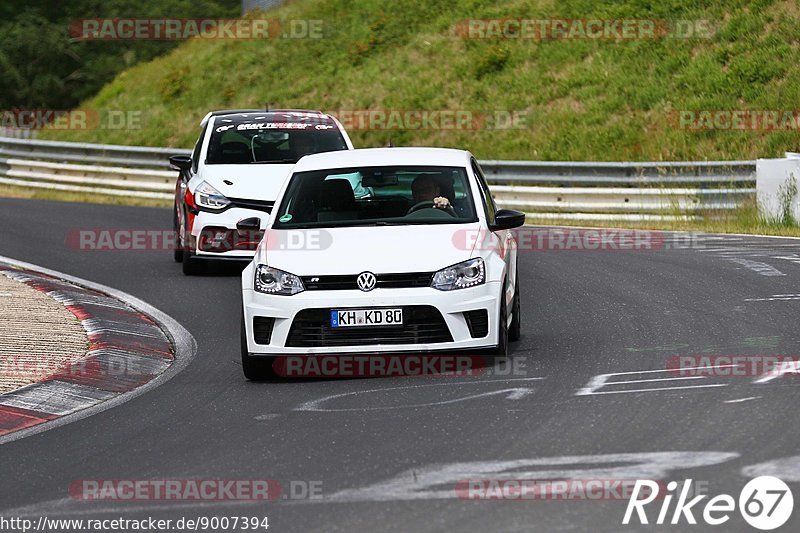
x=507, y=219
x=180, y=162
x=247, y=226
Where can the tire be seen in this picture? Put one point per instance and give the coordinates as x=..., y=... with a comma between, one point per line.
x=192, y=266
x=501, y=350
x=255, y=368
x=177, y=253
x=515, y=330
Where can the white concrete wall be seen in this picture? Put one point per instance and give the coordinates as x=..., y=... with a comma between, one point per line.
x=771, y=175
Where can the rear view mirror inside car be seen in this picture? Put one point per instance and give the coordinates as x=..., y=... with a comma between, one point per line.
x=270, y=137
x=379, y=180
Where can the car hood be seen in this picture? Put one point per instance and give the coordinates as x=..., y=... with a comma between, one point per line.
x=382, y=250
x=252, y=182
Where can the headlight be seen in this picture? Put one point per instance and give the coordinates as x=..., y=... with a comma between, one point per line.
x=461, y=276
x=207, y=196
x=273, y=281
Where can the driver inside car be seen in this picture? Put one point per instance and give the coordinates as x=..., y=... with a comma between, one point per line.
x=425, y=189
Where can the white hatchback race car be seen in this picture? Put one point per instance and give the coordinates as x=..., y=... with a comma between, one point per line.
x=238, y=165
x=382, y=251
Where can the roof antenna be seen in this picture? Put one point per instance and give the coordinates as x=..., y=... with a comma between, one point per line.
x=267, y=110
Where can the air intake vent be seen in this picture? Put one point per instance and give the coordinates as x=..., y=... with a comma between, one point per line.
x=478, y=323
x=262, y=329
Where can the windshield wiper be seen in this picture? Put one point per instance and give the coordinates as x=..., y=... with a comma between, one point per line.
x=292, y=161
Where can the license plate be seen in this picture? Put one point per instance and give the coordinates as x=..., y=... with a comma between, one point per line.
x=366, y=317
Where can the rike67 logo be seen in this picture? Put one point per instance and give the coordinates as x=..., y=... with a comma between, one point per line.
x=765, y=503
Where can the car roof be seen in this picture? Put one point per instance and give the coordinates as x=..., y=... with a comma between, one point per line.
x=376, y=157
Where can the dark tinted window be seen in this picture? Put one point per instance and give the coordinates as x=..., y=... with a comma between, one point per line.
x=488, y=201
x=197, y=148
x=380, y=196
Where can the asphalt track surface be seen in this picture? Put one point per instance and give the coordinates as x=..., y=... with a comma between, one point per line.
x=389, y=451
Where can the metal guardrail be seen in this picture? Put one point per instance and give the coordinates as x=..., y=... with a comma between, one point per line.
x=93, y=154
x=573, y=190
x=665, y=173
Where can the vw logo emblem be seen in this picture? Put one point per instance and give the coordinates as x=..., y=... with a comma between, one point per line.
x=366, y=281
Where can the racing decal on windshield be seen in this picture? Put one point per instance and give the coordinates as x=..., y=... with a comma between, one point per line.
x=273, y=126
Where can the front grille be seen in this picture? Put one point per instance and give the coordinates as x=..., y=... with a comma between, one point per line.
x=262, y=329
x=478, y=323
x=260, y=205
x=423, y=324
x=384, y=281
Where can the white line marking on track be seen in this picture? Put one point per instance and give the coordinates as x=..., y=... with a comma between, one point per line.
x=515, y=393
x=439, y=481
x=657, y=389
x=786, y=367
x=740, y=400
x=773, y=299
x=786, y=468
x=602, y=380
x=654, y=380
x=757, y=267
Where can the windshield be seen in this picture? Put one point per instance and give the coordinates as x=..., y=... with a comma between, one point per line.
x=260, y=139
x=367, y=196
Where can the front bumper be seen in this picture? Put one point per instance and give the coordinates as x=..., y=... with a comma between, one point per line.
x=451, y=304
x=207, y=226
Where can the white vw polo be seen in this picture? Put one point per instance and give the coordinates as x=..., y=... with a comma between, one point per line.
x=386, y=250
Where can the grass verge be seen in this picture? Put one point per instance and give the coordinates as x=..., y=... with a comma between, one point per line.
x=745, y=219
x=582, y=99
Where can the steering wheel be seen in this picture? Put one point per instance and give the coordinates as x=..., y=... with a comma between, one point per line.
x=428, y=204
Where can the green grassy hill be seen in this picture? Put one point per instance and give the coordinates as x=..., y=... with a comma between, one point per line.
x=584, y=99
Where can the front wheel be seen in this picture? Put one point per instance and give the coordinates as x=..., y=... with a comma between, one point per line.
x=177, y=253
x=192, y=266
x=515, y=330
x=501, y=350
